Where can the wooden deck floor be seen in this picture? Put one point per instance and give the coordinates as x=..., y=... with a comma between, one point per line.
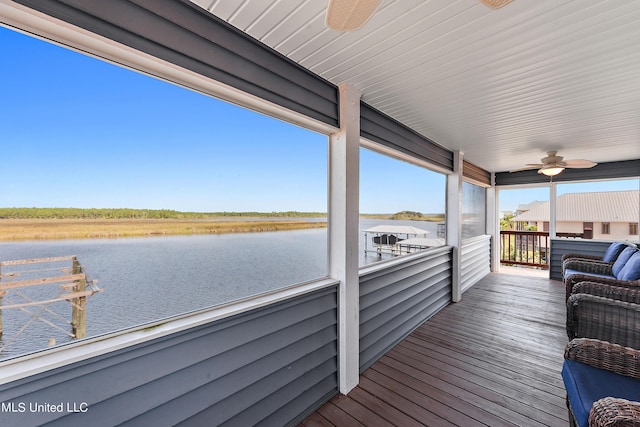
x=492, y=359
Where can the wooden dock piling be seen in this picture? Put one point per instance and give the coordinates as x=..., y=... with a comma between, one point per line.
x=73, y=283
x=79, y=303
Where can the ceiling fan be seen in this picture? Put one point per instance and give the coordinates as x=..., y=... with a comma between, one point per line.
x=349, y=15
x=553, y=164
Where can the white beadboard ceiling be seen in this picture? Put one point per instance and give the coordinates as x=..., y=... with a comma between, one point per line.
x=504, y=86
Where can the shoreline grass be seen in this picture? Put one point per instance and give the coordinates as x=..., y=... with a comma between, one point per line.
x=57, y=229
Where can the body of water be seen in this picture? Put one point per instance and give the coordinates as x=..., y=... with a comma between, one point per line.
x=152, y=278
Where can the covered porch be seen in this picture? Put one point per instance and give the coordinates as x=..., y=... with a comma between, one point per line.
x=493, y=359
x=354, y=345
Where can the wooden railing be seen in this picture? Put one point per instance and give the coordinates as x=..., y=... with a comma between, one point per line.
x=529, y=248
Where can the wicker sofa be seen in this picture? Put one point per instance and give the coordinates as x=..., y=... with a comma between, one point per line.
x=624, y=272
x=609, y=257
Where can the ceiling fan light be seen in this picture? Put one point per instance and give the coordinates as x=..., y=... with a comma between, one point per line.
x=551, y=170
x=495, y=4
x=349, y=15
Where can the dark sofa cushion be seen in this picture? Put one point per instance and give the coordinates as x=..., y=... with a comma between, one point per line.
x=586, y=384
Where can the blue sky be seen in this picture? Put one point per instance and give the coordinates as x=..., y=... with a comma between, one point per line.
x=79, y=132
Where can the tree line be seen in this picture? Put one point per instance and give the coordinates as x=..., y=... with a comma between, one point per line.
x=417, y=216
x=127, y=213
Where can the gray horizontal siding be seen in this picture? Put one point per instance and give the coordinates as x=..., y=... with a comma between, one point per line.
x=268, y=366
x=610, y=170
x=559, y=247
x=399, y=298
x=183, y=34
x=475, y=260
x=378, y=127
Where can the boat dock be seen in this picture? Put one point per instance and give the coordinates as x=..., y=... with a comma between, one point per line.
x=398, y=240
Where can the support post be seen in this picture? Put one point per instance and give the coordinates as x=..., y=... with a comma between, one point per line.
x=454, y=223
x=344, y=164
x=78, y=310
x=493, y=223
x=552, y=210
x=553, y=199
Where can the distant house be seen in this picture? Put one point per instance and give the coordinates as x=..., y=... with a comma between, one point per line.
x=522, y=208
x=609, y=215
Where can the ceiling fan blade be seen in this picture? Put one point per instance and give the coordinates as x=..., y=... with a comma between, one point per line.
x=554, y=163
x=349, y=15
x=580, y=164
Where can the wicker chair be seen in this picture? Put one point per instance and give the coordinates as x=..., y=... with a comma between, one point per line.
x=603, y=383
x=630, y=293
x=615, y=321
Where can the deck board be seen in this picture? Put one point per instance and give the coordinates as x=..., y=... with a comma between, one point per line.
x=493, y=359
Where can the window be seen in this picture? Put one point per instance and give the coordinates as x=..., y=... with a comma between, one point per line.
x=633, y=229
x=402, y=207
x=174, y=201
x=473, y=210
x=606, y=228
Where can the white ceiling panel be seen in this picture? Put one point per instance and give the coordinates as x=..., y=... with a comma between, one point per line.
x=504, y=86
